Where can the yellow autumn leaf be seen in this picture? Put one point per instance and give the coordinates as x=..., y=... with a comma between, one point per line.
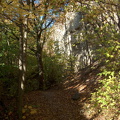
x=33, y=111
x=25, y=106
x=24, y=117
x=27, y=114
x=30, y=107
x=23, y=110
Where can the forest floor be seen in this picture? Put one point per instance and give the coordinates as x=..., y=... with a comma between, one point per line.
x=57, y=103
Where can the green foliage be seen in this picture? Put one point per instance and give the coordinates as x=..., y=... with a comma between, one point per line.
x=108, y=94
x=53, y=69
x=54, y=72
x=31, y=64
x=102, y=31
x=31, y=84
x=8, y=64
x=9, y=86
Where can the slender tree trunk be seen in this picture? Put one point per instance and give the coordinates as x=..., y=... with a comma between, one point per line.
x=22, y=66
x=40, y=64
x=21, y=77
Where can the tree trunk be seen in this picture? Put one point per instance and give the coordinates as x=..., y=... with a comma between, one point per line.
x=22, y=66
x=40, y=64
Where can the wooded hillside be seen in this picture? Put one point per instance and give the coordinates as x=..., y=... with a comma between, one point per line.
x=60, y=55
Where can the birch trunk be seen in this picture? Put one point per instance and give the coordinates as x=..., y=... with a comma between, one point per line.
x=22, y=65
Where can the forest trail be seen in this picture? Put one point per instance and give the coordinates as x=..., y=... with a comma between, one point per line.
x=54, y=105
x=57, y=104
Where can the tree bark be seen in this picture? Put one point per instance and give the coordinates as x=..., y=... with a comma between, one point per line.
x=40, y=63
x=20, y=83
x=22, y=66
x=119, y=14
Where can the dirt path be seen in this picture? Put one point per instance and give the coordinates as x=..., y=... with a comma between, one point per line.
x=56, y=103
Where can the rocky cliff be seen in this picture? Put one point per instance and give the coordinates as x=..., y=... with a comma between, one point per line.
x=69, y=37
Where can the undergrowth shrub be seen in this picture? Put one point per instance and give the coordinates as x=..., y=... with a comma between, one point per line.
x=31, y=82
x=53, y=69
x=107, y=97
x=8, y=78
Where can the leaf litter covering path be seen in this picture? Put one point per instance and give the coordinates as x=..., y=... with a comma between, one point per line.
x=56, y=103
